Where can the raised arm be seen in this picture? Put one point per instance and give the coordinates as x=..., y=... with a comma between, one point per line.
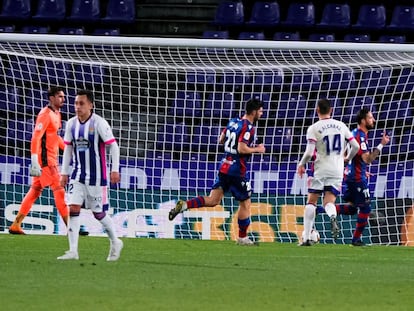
x=369, y=157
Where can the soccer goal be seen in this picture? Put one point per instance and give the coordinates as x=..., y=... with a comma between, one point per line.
x=167, y=101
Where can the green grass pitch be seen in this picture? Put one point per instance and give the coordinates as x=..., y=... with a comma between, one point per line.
x=161, y=274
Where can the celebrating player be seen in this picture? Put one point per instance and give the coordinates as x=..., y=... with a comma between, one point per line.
x=238, y=139
x=85, y=138
x=326, y=140
x=356, y=177
x=44, y=149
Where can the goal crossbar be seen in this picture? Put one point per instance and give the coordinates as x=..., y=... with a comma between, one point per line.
x=167, y=99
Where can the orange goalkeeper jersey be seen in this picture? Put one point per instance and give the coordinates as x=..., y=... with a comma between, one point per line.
x=45, y=139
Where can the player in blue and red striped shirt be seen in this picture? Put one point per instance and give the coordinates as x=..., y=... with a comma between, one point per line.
x=356, y=175
x=238, y=139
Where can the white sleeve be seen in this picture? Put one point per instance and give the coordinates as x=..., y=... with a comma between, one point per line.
x=354, y=149
x=310, y=146
x=67, y=138
x=105, y=131
x=310, y=149
x=114, y=149
x=67, y=155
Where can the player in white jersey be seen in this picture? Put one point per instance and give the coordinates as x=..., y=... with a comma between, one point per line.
x=326, y=142
x=86, y=136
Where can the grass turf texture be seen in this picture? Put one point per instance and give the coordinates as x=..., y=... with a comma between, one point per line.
x=159, y=274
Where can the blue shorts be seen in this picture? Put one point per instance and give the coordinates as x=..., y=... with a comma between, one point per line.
x=238, y=186
x=357, y=193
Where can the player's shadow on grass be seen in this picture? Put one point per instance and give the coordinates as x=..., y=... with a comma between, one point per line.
x=235, y=266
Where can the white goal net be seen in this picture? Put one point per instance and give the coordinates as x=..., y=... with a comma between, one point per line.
x=167, y=101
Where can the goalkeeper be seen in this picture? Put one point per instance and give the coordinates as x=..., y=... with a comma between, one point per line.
x=238, y=139
x=44, y=148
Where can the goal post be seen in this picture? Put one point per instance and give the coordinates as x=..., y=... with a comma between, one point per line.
x=167, y=101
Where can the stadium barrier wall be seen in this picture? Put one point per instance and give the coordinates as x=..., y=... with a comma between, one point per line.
x=279, y=219
x=153, y=188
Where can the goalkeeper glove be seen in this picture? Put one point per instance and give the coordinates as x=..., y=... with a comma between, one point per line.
x=35, y=169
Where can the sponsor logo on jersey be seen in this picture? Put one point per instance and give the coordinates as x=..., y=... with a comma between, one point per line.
x=82, y=144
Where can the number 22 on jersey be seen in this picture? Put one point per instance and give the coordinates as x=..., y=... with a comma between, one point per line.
x=230, y=143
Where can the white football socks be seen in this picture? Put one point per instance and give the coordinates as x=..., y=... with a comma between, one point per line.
x=308, y=220
x=109, y=227
x=330, y=210
x=73, y=233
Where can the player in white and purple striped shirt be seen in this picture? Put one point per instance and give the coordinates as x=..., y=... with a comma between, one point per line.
x=326, y=141
x=86, y=136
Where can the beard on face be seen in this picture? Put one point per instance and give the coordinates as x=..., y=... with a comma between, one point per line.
x=370, y=126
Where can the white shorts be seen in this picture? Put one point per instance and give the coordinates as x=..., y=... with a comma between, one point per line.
x=94, y=198
x=319, y=185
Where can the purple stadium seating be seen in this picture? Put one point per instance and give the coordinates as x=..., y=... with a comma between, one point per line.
x=307, y=79
x=207, y=76
x=357, y=38
x=106, y=32
x=15, y=10
x=402, y=18
x=286, y=36
x=264, y=14
x=336, y=15
x=10, y=99
x=35, y=29
x=120, y=11
x=187, y=104
x=376, y=78
x=85, y=11
x=371, y=16
x=229, y=13
x=173, y=137
x=269, y=78
x=219, y=105
x=300, y=15
x=392, y=39
x=50, y=10
x=215, y=34
x=205, y=138
x=318, y=37
x=249, y=35
x=341, y=79
x=7, y=29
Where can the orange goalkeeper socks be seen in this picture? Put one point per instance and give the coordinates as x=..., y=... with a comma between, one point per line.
x=28, y=201
x=61, y=206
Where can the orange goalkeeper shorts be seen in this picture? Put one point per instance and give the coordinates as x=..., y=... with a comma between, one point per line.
x=50, y=177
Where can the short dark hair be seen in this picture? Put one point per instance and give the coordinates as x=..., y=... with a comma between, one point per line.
x=324, y=105
x=253, y=104
x=88, y=94
x=53, y=90
x=362, y=114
